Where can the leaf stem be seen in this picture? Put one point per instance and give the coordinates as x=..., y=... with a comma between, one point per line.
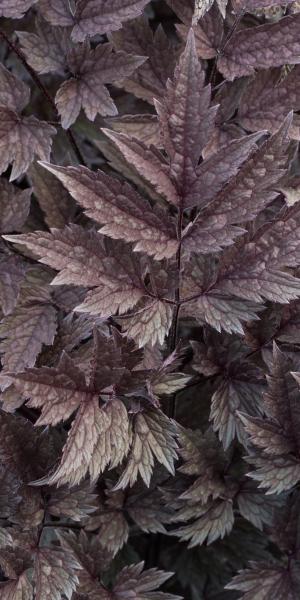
x=223, y=46
x=154, y=546
x=173, y=337
x=43, y=89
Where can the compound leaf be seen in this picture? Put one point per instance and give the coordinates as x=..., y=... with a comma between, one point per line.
x=122, y=211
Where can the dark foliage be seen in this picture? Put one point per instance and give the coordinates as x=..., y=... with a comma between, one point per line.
x=149, y=300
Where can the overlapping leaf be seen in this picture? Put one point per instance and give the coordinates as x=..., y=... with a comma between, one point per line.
x=14, y=206
x=208, y=33
x=24, y=332
x=148, y=162
x=142, y=127
x=54, y=200
x=263, y=279
x=31, y=324
x=265, y=580
x=245, y=196
x=205, y=181
x=54, y=574
x=184, y=11
x=254, y=506
x=267, y=99
x=136, y=37
x=75, y=504
x=26, y=452
x=88, y=552
x=99, y=435
x=15, y=8
x=217, y=170
x=245, y=51
x=198, y=219
x=12, y=271
x=133, y=580
x=247, y=277
x=252, y=5
x=276, y=437
x=153, y=436
x=90, y=17
x=111, y=522
x=123, y=212
x=202, y=6
x=195, y=450
x=58, y=12
x=222, y=311
x=208, y=505
x=238, y=387
x=214, y=520
x=84, y=259
x=47, y=49
x=21, y=138
x=17, y=588
x=150, y=324
x=91, y=69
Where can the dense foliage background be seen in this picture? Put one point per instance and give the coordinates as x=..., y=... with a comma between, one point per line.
x=149, y=300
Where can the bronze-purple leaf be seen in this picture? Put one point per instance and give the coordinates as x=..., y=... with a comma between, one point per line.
x=21, y=138
x=15, y=9
x=154, y=435
x=268, y=98
x=142, y=127
x=47, y=49
x=99, y=434
x=122, y=211
x=186, y=118
x=250, y=48
x=90, y=70
x=149, y=163
x=12, y=272
x=14, y=206
x=82, y=259
x=54, y=573
x=136, y=37
x=265, y=580
x=100, y=16
x=23, y=333
x=54, y=200
x=91, y=17
x=17, y=588
x=133, y=580
x=252, y=5
x=275, y=438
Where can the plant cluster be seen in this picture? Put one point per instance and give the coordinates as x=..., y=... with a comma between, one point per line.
x=149, y=300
